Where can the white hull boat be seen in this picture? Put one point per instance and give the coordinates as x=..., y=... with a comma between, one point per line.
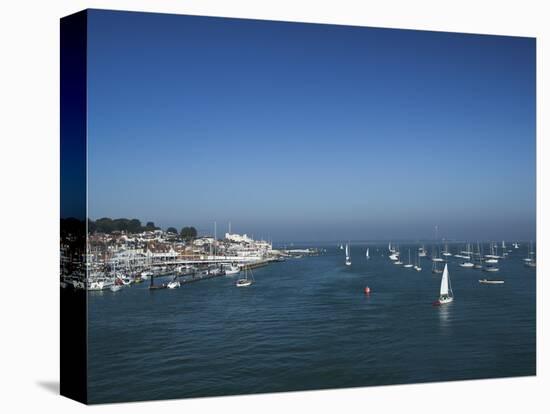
x=232, y=270
x=490, y=269
x=491, y=282
x=243, y=283
x=173, y=284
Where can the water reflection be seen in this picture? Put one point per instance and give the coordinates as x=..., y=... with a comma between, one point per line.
x=445, y=312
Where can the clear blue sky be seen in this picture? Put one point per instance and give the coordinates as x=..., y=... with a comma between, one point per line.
x=310, y=132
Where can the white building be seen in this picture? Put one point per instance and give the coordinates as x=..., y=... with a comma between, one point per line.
x=237, y=238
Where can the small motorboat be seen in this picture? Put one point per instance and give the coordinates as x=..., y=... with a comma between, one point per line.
x=467, y=265
x=491, y=282
x=173, y=284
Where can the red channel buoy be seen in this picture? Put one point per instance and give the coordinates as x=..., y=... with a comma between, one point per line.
x=367, y=290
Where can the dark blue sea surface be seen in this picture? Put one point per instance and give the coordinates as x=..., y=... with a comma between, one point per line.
x=307, y=324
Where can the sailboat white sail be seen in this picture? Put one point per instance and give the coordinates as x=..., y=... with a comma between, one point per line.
x=409, y=264
x=445, y=291
x=468, y=256
x=348, y=258
x=367, y=254
x=417, y=262
x=246, y=281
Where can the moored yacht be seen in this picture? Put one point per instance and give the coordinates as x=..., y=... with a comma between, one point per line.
x=232, y=269
x=422, y=252
x=408, y=265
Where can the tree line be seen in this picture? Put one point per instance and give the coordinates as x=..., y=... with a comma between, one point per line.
x=108, y=225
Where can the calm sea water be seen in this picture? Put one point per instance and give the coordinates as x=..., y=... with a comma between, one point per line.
x=307, y=324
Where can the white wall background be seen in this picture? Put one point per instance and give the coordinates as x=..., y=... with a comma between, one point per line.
x=29, y=194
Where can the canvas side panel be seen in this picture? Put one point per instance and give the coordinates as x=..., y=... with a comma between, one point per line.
x=73, y=369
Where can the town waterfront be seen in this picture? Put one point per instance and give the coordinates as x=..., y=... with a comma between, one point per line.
x=306, y=323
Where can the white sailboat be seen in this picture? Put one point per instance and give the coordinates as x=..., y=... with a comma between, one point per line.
x=367, y=254
x=396, y=257
x=409, y=264
x=468, y=263
x=445, y=291
x=348, y=258
x=478, y=258
x=435, y=255
x=417, y=263
x=435, y=268
x=530, y=259
x=246, y=281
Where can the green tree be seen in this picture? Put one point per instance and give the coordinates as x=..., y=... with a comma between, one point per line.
x=91, y=226
x=104, y=225
x=150, y=226
x=134, y=226
x=188, y=233
x=172, y=230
